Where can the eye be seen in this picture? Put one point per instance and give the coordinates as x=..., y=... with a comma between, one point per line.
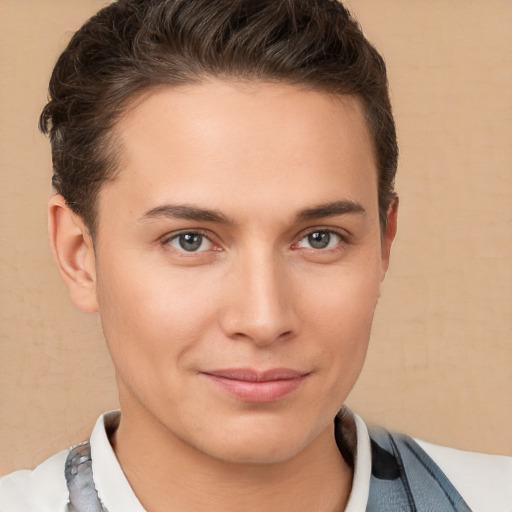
x=190, y=242
x=320, y=239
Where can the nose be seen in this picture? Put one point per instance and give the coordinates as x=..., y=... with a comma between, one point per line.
x=260, y=304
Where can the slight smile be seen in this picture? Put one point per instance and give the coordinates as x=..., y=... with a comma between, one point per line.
x=255, y=386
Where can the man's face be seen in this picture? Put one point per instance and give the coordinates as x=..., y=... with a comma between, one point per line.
x=238, y=260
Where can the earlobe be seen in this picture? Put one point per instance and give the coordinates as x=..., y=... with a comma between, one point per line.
x=389, y=235
x=73, y=250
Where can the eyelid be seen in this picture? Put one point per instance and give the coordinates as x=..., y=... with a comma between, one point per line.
x=341, y=233
x=345, y=235
x=169, y=237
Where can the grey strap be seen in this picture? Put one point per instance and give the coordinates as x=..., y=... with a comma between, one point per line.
x=405, y=479
x=83, y=496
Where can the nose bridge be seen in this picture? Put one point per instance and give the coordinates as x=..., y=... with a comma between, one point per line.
x=261, y=307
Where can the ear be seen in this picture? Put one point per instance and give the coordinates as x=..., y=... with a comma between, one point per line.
x=73, y=250
x=389, y=235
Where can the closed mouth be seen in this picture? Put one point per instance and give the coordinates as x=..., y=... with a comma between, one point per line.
x=254, y=386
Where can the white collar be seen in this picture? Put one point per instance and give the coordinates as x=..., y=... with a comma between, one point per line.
x=111, y=484
x=116, y=494
x=358, y=498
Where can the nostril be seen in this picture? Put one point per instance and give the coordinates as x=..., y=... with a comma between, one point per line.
x=259, y=333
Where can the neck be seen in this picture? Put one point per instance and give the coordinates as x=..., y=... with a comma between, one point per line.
x=168, y=474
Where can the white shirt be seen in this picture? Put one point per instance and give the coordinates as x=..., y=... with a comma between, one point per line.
x=484, y=481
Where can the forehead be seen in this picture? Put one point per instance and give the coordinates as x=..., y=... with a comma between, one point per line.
x=219, y=141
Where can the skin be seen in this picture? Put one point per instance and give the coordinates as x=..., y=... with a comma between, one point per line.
x=271, y=164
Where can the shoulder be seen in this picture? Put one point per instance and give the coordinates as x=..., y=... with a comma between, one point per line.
x=484, y=481
x=42, y=489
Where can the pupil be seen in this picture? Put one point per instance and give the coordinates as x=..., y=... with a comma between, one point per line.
x=191, y=241
x=319, y=240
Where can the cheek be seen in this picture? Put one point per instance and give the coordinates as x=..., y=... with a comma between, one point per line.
x=344, y=300
x=150, y=319
x=341, y=313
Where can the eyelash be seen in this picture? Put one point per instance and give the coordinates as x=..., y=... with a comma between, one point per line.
x=342, y=241
x=166, y=241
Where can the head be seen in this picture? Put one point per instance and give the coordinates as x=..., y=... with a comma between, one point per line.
x=225, y=178
x=132, y=47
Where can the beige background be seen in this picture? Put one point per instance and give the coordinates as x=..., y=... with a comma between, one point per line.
x=440, y=365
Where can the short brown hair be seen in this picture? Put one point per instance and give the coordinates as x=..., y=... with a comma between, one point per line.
x=131, y=46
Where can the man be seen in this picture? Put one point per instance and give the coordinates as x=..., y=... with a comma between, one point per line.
x=224, y=176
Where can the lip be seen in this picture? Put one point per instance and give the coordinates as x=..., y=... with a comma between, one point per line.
x=256, y=386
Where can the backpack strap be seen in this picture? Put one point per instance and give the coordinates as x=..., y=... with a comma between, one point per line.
x=83, y=496
x=405, y=479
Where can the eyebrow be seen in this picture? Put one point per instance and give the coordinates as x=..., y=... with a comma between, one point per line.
x=186, y=212
x=194, y=213
x=330, y=210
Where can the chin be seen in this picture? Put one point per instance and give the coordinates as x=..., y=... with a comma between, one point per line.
x=258, y=443
x=256, y=453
